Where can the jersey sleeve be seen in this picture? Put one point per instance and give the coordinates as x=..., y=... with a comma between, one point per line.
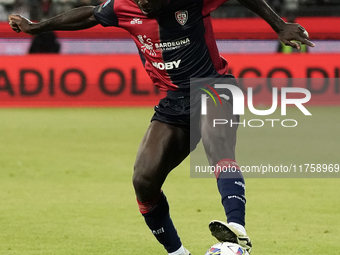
x=105, y=14
x=211, y=5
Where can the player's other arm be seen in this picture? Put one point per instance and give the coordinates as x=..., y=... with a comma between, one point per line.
x=287, y=32
x=75, y=19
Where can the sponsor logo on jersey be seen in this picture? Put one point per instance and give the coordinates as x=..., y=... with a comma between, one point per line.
x=147, y=45
x=172, y=45
x=136, y=21
x=181, y=17
x=167, y=65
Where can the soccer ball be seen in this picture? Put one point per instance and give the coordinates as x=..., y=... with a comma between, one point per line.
x=226, y=249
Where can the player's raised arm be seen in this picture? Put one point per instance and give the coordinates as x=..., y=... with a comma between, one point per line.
x=75, y=19
x=287, y=32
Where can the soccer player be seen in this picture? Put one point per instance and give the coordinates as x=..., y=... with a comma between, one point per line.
x=176, y=43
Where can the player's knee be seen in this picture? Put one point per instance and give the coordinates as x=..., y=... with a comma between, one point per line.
x=139, y=183
x=219, y=147
x=144, y=186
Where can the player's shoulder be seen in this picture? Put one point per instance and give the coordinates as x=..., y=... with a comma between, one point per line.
x=127, y=9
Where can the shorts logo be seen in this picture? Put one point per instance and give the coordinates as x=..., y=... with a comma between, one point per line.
x=181, y=17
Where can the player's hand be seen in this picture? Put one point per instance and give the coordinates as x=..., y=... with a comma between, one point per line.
x=19, y=23
x=294, y=32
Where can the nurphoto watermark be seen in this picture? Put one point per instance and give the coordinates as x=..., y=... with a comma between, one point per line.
x=219, y=107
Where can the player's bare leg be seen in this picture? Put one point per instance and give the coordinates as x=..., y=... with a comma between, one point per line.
x=219, y=144
x=162, y=149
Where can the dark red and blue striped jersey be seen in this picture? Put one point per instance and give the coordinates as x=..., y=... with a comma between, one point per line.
x=177, y=45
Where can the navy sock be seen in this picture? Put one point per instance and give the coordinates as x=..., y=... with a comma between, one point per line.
x=157, y=217
x=232, y=189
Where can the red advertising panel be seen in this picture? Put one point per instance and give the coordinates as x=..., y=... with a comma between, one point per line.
x=52, y=80
x=120, y=80
x=323, y=68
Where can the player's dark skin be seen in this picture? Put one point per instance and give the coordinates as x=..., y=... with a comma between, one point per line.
x=165, y=146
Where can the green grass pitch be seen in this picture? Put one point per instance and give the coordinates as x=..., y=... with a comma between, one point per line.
x=65, y=186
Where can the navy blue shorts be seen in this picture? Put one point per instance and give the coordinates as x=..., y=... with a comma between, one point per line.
x=182, y=109
x=174, y=109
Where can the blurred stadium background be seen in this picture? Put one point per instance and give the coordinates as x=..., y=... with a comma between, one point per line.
x=71, y=122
